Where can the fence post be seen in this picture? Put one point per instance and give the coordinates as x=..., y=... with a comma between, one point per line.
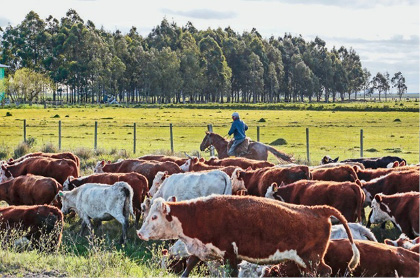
x=210, y=129
x=172, y=138
x=135, y=139
x=307, y=145
x=258, y=133
x=59, y=135
x=361, y=143
x=24, y=131
x=96, y=135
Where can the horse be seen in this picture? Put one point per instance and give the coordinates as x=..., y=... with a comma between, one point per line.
x=256, y=150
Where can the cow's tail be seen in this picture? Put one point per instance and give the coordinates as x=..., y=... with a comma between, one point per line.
x=355, y=259
x=280, y=155
x=128, y=192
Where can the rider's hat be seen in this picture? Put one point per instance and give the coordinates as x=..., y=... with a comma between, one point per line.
x=235, y=114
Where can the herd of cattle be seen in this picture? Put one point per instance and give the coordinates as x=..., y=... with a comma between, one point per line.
x=259, y=218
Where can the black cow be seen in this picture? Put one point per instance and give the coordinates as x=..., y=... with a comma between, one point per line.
x=368, y=162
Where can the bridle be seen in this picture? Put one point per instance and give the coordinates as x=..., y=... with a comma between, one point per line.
x=210, y=141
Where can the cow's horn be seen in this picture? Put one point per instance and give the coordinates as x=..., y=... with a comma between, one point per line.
x=188, y=155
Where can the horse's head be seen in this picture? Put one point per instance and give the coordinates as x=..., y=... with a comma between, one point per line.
x=207, y=141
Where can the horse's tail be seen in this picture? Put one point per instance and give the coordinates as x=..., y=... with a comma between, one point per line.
x=281, y=155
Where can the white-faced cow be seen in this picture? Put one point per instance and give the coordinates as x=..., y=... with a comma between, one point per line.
x=258, y=230
x=405, y=242
x=401, y=208
x=347, y=197
x=59, y=169
x=30, y=190
x=100, y=202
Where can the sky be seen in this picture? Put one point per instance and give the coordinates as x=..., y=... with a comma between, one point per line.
x=385, y=33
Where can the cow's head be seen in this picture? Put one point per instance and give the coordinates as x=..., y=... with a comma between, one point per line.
x=145, y=207
x=10, y=161
x=402, y=241
x=327, y=159
x=186, y=166
x=271, y=190
x=5, y=174
x=99, y=167
x=238, y=178
x=68, y=185
x=159, y=223
x=157, y=182
x=380, y=211
x=67, y=201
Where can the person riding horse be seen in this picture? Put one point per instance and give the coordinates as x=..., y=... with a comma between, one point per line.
x=238, y=130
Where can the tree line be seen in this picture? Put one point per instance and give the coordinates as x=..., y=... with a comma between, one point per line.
x=80, y=63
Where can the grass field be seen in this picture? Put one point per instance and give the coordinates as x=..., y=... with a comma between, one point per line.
x=336, y=133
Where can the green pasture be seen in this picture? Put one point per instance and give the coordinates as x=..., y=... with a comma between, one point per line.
x=336, y=133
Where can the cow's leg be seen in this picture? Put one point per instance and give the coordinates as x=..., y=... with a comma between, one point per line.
x=97, y=226
x=138, y=214
x=233, y=262
x=191, y=263
x=124, y=222
x=368, y=224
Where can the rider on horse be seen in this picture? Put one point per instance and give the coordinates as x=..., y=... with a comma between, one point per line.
x=238, y=130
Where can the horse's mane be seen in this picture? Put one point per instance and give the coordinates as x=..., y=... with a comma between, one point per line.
x=218, y=136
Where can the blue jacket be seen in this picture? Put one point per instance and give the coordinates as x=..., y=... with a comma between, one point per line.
x=238, y=129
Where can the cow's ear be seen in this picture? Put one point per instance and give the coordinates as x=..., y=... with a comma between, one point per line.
x=103, y=162
x=10, y=159
x=166, y=209
x=109, y=161
x=402, y=163
x=356, y=168
x=358, y=182
x=336, y=159
x=274, y=187
x=388, y=242
x=282, y=184
x=378, y=198
x=249, y=168
x=207, y=132
x=201, y=159
x=172, y=199
x=194, y=160
x=3, y=167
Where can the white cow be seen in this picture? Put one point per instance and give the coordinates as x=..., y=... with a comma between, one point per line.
x=358, y=231
x=100, y=202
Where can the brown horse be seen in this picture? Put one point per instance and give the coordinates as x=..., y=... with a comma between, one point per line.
x=256, y=150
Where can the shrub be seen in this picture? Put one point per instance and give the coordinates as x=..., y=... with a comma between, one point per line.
x=21, y=149
x=56, y=116
x=83, y=153
x=49, y=148
x=371, y=150
x=279, y=142
x=31, y=141
x=397, y=120
x=262, y=120
x=4, y=152
x=8, y=114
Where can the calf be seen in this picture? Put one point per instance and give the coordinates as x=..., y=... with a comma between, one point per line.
x=347, y=197
x=66, y=155
x=376, y=260
x=138, y=183
x=59, y=169
x=401, y=208
x=369, y=174
x=258, y=230
x=100, y=202
x=339, y=173
x=30, y=190
x=257, y=181
x=404, y=242
x=391, y=183
x=43, y=223
x=147, y=168
x=240, y=162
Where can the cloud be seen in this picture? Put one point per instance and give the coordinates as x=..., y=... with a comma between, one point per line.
x=202, y=14
x=356, y=4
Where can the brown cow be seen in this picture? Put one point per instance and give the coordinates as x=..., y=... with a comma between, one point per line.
x=37, y=220
x=347, y=197
x=147, y=168
x=195, y=165
x=257, y=181
x=394, y=182
x=258, y=230
x=376, y=260
x=58, y=169
x=137, y=181
x=162, y=158
x=30, y=190
x=241, y=162
x=339, y=173
x=406, y=243
x=401, y=208
x=67, y=155
x=369, y=174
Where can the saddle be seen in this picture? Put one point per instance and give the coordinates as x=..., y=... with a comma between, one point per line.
x=242, y=148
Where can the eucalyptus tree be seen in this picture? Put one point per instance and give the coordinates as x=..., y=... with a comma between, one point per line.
x=366, y=82
x=255, y=78
x=164, y=35
x=190, y=71
x=379, y=83
x=135, y=51
x=216, y=70
x=398, y=81
x=169, y=81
